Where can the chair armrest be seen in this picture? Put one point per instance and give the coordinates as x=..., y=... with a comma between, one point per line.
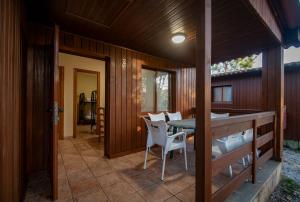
x=177, y=135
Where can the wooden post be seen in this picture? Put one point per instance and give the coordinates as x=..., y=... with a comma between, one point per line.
x=254, y=158
x=203, y=101
x=273, y=92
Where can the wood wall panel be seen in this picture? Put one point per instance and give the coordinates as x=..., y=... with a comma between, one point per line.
x=247, y=94
x=38, y=99
x=11, y=107
x=292, y=98
x=126, y=133
x=246, y=91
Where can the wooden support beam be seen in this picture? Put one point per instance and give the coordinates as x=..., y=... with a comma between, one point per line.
x=263, y=10
x=203, y=100
x=273, y=92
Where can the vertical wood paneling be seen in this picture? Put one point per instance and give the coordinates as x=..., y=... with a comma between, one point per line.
x=246, y=91
x=126, y=132
x=38, y=96
x=292, y=97
x=11, y=101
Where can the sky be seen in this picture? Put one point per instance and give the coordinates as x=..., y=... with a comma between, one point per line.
x=290, y=55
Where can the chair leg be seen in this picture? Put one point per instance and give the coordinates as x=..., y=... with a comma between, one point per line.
x=162, y=153
x=230, y=171
x=163, y=167
x=146, y=155
x=244, y=162
x=249, y=161
x=185, y=159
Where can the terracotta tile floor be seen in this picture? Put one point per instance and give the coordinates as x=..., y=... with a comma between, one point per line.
x=86, y=175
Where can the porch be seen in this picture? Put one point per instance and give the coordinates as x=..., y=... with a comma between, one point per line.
x=131, y=36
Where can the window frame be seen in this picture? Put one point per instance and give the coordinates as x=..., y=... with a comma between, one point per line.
x=222, y=95
x=172, y=89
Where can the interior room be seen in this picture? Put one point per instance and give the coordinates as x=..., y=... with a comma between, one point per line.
x=84, y=100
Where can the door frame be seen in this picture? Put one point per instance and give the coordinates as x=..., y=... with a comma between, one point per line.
x=61, y=101
x=106, y=59
x=75, y=76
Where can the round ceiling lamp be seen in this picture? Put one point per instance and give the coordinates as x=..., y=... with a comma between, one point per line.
x=178, y=38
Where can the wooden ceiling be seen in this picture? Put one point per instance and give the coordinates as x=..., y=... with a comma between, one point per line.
x=147, y=25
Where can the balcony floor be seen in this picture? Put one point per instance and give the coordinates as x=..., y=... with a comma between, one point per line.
x=85, y=175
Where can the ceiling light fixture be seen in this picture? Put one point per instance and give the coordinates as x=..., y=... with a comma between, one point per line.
x=178, y=38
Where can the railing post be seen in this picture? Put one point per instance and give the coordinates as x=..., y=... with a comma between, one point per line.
x=254, y=158
x=203, y=100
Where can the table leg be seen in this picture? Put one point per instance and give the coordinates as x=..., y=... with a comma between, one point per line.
x=172, y=152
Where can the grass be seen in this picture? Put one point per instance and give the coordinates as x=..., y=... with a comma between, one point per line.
x=287, y=190
x=294, y=145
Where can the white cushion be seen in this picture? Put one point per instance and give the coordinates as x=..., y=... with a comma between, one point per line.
x=174, y=116
x=214, y=115
x=157, y=117
x=248, y=135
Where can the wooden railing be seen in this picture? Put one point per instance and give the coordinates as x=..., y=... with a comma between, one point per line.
x=263, y=125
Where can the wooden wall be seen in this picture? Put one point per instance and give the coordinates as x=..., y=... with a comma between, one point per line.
x=292, y=102
x=247, y=94
x=246, y=91
x=11, y=100
x=124, y=79
x=38, y=94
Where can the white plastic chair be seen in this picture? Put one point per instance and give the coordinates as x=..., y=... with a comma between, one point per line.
x=248, y=137
x=177, y=116
x=157, y=134
x=214, y=115
x=230, y=142
x=157, y=117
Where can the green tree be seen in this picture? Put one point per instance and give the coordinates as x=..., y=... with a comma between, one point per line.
x=234, y=65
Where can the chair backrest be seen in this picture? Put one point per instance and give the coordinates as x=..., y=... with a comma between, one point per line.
x=158, y=131
x=157, y=117
x=174, y=116
x=214, y=115
x=248, y=135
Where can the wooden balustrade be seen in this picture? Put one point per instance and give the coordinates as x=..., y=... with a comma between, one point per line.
x=263, y=125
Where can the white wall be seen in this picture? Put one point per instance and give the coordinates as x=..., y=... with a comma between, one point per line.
x=70, y=62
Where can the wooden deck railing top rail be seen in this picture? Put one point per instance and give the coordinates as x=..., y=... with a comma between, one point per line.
x=222, y=127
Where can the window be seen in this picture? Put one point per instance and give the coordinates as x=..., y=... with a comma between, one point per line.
x=222, y=94
x=155, y=91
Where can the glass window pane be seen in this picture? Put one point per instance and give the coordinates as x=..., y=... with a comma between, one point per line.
x=147, y=90
x=227, y=94
x=162, y=89
x=217, y=94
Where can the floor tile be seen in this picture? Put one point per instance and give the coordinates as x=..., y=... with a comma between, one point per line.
x=86, y=186
x=119, y=191
x=93, y=197
x=155, y=193
x=110, y=179
x=187, y=195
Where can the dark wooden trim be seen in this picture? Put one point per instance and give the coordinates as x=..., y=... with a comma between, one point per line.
x=219, y=164
x=273, y=92
x=219, y=132
x=266, y=156
x=61, y=101
x=264, y=12
x=203, y=139
x=54, y=138
x=254, y=147
x=80, y=52
x=227, y=189
x=262, y=140
x=76, y=71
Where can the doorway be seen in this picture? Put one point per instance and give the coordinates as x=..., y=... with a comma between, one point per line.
x=85, y=95
x=87, y=119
